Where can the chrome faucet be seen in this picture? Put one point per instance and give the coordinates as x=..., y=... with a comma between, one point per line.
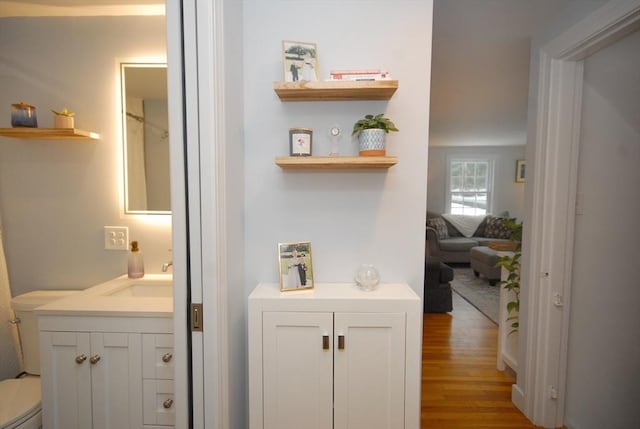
x=166, y=266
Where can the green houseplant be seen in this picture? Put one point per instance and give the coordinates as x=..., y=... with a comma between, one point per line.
x=371, y=131
x=511, y=264
x=63, y=118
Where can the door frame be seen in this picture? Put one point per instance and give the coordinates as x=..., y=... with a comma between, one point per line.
x=540, y=391
x=195, y=53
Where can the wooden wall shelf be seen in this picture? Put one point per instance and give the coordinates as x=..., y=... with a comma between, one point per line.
x=336, y=90
x=49, y=133
x=335, y=162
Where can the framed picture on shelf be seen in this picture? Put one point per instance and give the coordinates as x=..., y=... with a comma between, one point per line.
x=520, y=167
x=300, y=141
x=300, y=61
x=295, y=266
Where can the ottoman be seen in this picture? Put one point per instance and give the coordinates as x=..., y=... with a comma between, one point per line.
x=483, y=261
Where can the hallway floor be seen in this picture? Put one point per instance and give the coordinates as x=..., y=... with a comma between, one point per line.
x=461, y=387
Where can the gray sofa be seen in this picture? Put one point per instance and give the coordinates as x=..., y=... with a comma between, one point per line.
x=449, y=246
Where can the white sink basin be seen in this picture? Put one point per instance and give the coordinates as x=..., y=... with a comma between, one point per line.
x=151, y=295
x=149, y=286
x=157, y=288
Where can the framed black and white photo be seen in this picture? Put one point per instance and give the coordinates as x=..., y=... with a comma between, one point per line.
x=300, y=140
x=295, y=266
x=520, y=167
x=300, y=61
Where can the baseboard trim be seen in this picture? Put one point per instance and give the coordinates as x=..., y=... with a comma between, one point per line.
x=517, y=397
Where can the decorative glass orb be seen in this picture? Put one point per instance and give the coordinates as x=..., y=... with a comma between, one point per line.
x=367, y=277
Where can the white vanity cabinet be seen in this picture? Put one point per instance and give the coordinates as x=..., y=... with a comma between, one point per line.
x=94, y=372
x=334, y=357
x=94, y=379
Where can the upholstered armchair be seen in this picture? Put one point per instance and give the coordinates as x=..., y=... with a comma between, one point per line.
x=437, y=289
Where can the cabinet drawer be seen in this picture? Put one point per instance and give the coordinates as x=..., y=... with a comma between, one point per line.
x=157, y=356
x=158, y=406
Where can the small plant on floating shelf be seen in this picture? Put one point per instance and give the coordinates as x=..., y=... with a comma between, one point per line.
x=373, y=122
x=63, y=112
x=512, y=265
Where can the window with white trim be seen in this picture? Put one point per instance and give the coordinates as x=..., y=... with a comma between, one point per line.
x=469, y=186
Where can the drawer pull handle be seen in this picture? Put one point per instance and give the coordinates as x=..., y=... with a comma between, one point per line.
x=94, y=359
x=166, y=358
x=341, y=342
x=325, y=342
x=81, y=358
x=167, y=403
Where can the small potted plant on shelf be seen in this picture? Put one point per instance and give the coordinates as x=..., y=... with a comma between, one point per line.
x=371, y=131
x=63, y=118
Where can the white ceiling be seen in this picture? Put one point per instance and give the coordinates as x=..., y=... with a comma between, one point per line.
x=15, y=8
x=480, y=69
x=88, y=2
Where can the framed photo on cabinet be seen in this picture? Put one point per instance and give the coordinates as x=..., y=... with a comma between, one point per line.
x=300, y=61
x=295, y=266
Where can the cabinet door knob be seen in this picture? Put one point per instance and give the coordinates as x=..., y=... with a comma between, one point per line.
x=341, y=342
x=94, y=359
x=325, y=342
x=81, y=358
x=166, y=358
x=167, y=403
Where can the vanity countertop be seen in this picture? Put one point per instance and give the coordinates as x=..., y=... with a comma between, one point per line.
x=110, y=299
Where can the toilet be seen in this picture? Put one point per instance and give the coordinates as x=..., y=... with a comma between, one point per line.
x=20, y=407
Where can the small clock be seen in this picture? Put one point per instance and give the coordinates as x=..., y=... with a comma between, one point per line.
x=335, y=135
x=300, y=141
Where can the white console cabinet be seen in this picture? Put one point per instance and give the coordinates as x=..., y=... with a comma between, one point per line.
x=334, y=357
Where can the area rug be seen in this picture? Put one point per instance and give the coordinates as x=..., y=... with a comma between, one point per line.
x=477, y=291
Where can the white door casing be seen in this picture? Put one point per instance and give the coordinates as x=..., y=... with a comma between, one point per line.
x=176, y=105
x=549, y=233
x=196, y=94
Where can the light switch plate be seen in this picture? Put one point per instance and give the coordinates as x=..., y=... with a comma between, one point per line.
x=116, y=238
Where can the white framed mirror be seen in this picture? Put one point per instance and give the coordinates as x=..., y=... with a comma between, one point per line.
x=145, y=136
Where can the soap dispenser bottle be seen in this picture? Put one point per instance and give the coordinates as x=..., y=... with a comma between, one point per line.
x=136, y=263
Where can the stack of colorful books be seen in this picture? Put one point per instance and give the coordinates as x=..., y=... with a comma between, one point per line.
x=372, y=74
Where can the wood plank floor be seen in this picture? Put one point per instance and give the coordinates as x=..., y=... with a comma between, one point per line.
x=461, y=387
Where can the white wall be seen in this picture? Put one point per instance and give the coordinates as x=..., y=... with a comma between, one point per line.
x=234, y=152
x=508, y=195
x=56, y=196
x=350, y=217
x=604, y=341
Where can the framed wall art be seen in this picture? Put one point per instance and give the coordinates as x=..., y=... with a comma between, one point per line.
x=300, y=140
x=300, y=61
x=295, y=266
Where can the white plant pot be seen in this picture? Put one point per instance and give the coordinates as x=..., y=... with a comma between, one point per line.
x=372, y=142
x=61, y=121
